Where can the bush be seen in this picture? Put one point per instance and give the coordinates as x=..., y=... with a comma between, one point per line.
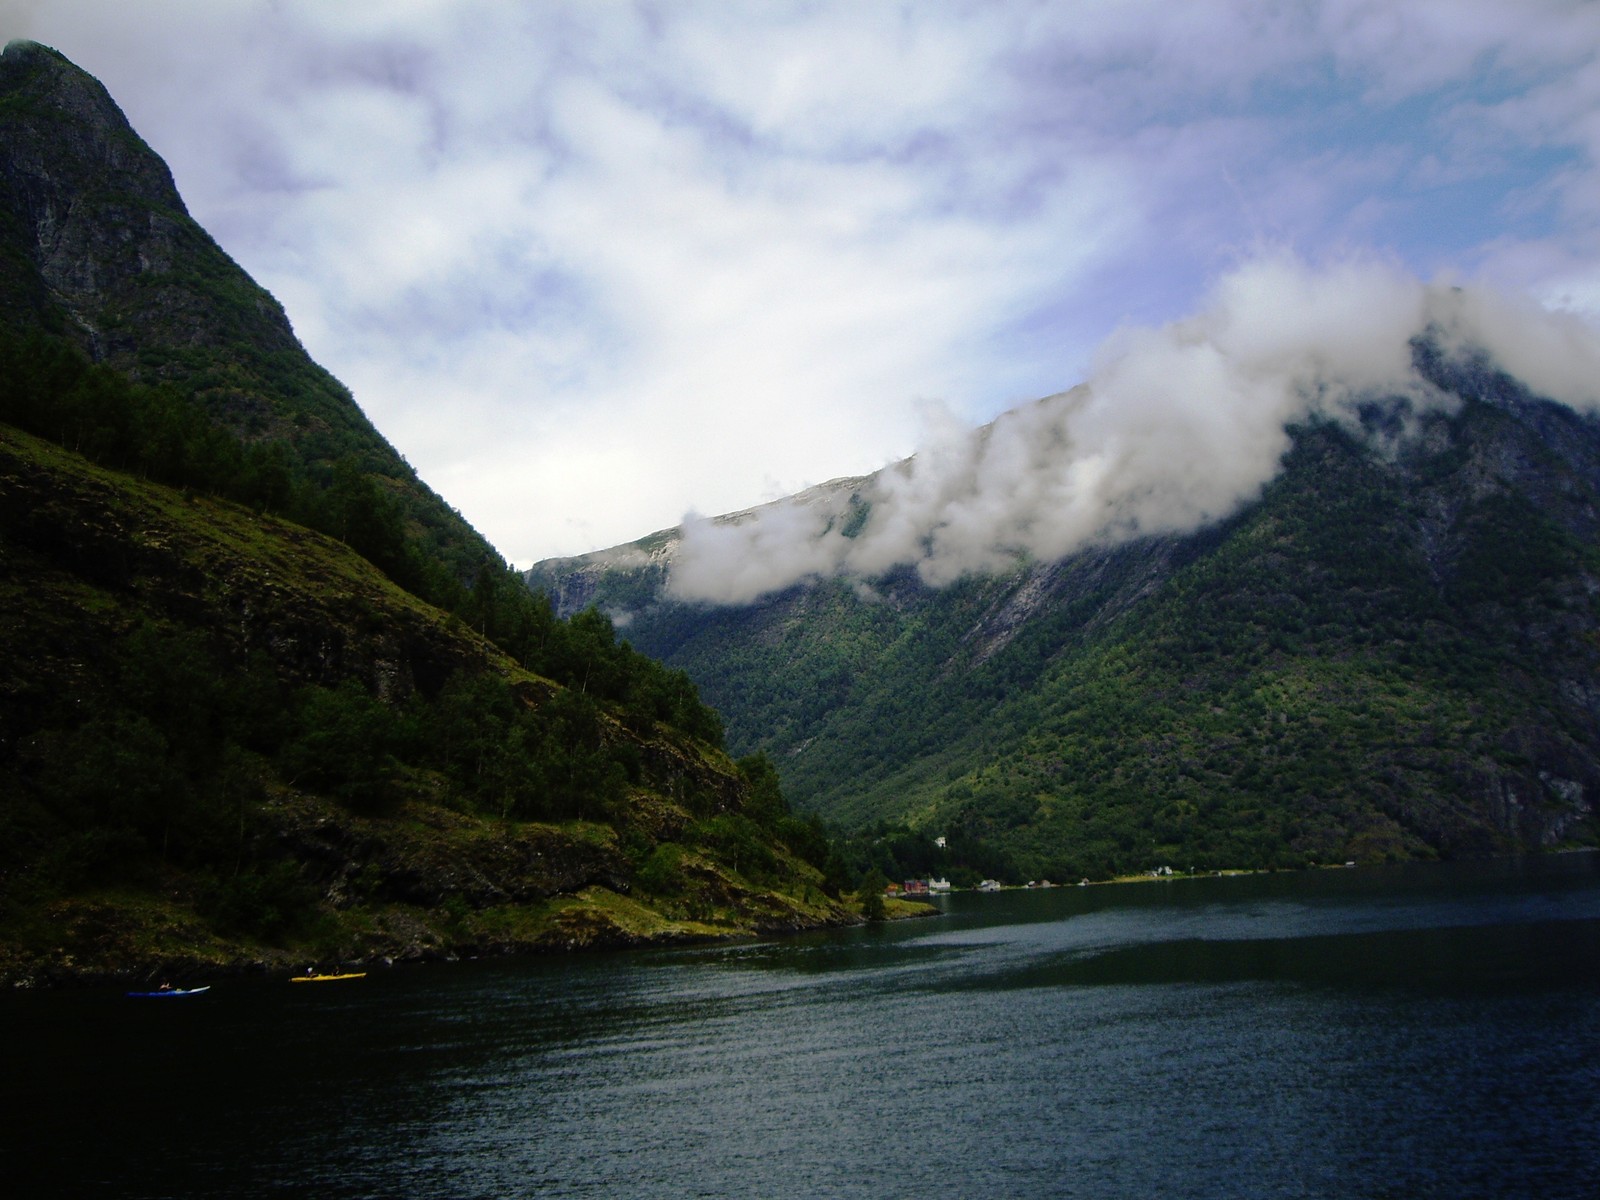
x=265, y=902
x=662, y=872
x=343, y=745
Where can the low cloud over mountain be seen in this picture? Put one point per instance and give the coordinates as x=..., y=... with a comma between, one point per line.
x=1176, y=427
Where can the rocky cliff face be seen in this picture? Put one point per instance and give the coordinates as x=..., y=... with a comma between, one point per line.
x=96, y=245
x=95, y=212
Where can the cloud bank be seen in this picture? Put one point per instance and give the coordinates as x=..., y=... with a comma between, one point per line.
x=1176, y=427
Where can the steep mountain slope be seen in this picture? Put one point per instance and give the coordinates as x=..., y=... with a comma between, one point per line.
x=229, y=738
x=1392, y=653
x=97, y=247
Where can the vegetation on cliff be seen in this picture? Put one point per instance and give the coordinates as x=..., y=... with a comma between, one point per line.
x=1394, y=653
x=225, y=737
x=266, y=697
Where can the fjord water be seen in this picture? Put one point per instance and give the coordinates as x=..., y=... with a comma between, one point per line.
x=1396, y=1032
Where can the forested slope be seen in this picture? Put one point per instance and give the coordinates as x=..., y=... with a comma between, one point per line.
x=265, y=698
x=1393, y=653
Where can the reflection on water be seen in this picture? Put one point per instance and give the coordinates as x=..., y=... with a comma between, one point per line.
x=1406, y=1032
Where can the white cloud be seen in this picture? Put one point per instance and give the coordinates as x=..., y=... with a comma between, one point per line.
x=1177, y=426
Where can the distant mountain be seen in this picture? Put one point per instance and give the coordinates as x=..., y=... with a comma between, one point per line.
x=1393, y=652
x=265, y=699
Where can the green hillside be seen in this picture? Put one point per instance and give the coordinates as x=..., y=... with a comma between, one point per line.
x=227, y=739
x=1390, y=655
x=266, y=699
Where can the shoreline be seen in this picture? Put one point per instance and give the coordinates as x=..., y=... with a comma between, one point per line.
x=594, y=920
x=1226, y=872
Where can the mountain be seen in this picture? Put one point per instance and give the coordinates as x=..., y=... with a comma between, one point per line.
x=1392, y=652
x=266, y=698
x=97, y=249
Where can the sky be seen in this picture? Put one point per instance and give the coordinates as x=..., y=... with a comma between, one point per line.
x=594, y=267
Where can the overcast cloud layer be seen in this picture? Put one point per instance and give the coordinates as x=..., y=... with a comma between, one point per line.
x=591, y=266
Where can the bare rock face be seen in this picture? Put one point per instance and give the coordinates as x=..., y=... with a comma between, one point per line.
x=65, y=131
x=97, y=245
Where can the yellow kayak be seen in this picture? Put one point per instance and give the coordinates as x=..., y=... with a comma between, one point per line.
x=325, y=978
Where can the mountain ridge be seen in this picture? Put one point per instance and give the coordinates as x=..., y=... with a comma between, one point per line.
x=99, y=249
x=1104, y=712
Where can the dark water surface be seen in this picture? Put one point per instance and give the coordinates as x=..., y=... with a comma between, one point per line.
x=1401, y=1032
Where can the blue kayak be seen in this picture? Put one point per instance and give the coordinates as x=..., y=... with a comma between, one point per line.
x=172, y=992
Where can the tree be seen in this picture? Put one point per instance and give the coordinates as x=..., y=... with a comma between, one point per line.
x=343, y=744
